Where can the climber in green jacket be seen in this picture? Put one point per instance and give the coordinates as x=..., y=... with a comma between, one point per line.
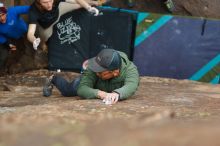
x=109, y=76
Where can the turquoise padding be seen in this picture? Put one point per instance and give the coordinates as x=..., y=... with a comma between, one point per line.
x=215, y=80
x=153, y=28
x=141, y=17
x=198, y=75
x=117, y=9
x=128, y=11
x=108, y=7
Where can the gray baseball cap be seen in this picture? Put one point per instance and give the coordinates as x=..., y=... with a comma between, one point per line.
x=107, y=59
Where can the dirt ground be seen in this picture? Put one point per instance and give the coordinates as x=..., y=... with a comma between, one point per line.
x=162, y=112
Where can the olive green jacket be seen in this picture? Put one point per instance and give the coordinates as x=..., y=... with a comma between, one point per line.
x=125, y=84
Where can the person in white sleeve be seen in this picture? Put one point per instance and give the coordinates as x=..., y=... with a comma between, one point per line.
x=45, y=13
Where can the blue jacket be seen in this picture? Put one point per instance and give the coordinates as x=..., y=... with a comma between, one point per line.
x=15, y=26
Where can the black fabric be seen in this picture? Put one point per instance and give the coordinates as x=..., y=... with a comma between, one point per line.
x=111, y=29
x=6, y=44
x=44, y=18
x=3, y=55
x=69, y=44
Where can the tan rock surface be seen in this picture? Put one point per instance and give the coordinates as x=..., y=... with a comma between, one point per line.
x=162, y=112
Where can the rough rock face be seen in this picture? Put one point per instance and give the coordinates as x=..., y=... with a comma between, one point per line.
x=156, y=6
x=25, y=58
x=199, y=8
x=162, y=112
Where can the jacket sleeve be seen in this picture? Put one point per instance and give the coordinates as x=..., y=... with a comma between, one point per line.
x=3, y=39
x=86, y=86
x=22, y=9
x=131, y=83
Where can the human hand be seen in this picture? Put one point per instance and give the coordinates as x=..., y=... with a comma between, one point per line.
x=85, y=64
x=111, y=98
x=36, y=43
x=12, y=47
x=93, y=10
x=102, y=94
